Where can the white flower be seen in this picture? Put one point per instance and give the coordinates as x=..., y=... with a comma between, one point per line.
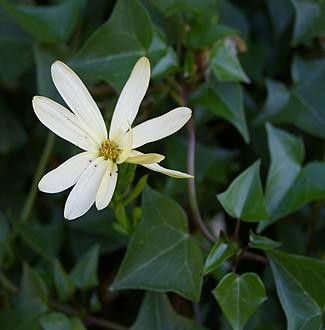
x=94, y=171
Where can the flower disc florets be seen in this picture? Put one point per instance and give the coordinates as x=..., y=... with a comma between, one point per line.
x=109, y=150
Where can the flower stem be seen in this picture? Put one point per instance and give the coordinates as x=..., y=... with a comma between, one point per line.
x=29, y=202
x=191, y=184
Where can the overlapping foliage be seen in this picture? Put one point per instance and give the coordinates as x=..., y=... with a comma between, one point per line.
x=253, y=73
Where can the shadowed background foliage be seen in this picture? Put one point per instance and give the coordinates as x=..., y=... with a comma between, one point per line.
x=240, y=247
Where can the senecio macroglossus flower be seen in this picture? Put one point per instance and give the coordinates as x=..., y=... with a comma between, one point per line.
x=94, y=171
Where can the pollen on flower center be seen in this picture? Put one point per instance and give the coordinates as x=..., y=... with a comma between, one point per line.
x=109, y=150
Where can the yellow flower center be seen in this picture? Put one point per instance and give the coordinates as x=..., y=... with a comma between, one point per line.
x=109, y=150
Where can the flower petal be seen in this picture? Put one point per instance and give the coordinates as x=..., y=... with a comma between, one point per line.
x=67, y=174
x=83, y=194
x=130, y=99
x=174, y=174
x=157, y=168
x=126, y=147
x=145, y=159
x=160, y=127
x=79, y=100
x=107, y=186
x=63, y=123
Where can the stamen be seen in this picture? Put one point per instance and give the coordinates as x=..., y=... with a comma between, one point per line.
x=109, y=150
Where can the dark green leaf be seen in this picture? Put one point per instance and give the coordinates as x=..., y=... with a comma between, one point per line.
x=47, y=23
x=15, y=47
x=302, y=300
x=114, y=48
x=287, y=153
x=59, y=321
x=305, y=107
x=232, y=16
x=55, y=321
x=203, y=35
x=262, y=242
x=63, y=283
x=244, y=197
x=9, y=124
x=289, y=186
x=156, y=313
x=160, y=245
x=196, y=8
x=226, y=101
x=219, y=253
x=84, y=273
x=239, y=297
x=277, y=97
x=225, y=64
x=45, y=240
x=44, y=57
x=33, y=297
x=95, y=228
x=309, y=19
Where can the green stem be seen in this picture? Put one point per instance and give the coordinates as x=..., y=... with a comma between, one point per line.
x=30, y=200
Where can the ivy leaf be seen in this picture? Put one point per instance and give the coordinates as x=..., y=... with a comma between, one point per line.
x=63, y=283
x=244, y=197
x=239, y=297
x=262, y=243
x=289, y=185
x=304, y=108
x=157, y=313
x=295, y=278
x=219, y=253
x=113, y=49
x=84, y=273
x=225, y=100
x=308, y=21
x=287, y=153
x=225, y=65
x=161, y=242
x=49, y=24
x=278, y=96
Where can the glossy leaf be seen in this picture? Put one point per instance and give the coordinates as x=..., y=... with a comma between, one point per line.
x=287, y=153
x=244, y=197
x=84, y=273
x=161, y=242
x=289, y=185
x=262, y=243
x=156, y=313
x=239, y=297
x=47, y=23
x=225, y=65
x=113, y=49
x=219, y=253
x=226, y=101
x=295, y=278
